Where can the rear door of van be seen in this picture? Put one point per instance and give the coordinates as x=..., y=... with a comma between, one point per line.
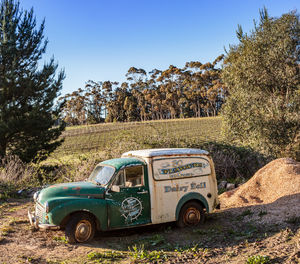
x=175, y=178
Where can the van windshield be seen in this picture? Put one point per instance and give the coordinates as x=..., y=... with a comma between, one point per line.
x=102, y=174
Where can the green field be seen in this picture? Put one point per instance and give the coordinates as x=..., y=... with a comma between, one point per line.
x=85, y=140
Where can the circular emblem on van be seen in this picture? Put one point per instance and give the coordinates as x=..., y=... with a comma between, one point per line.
x=131, y=208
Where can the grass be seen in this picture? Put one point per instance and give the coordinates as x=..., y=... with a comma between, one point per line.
x=83, y=140
x=150, y=242
x=258, y=260
x=140, y=254
x=107, y=256
x=262, y=213
x=61, y=239
x=246, y=212
x=293, y=220
x=85, y=146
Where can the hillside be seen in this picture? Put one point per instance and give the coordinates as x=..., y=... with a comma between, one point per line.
x=164, y=133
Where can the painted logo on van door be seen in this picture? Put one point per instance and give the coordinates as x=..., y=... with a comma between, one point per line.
x=131, y=209
x=185, y=188
x=165, y=169
x=183, y=167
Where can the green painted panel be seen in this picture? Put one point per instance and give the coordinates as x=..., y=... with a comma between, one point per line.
x=63, y=199
x=73, y=189
x=69, y=205
x=122, y=162
x=130, y=206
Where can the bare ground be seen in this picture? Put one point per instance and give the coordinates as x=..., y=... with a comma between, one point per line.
x=230, y=235
x=260, y=218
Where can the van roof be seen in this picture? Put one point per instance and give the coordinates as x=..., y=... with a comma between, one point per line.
x=148, y=153
x=122, y=162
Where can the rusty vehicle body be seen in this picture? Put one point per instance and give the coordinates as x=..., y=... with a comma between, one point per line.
x=142, y=187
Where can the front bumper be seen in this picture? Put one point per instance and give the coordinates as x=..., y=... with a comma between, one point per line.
x=35, y=223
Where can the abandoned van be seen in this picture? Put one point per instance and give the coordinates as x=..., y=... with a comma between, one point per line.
x=142, y=187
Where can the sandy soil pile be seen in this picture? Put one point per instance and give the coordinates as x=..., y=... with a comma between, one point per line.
x=277, y=181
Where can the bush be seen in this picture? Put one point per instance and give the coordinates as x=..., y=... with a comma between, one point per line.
x=16, y=175
x=258, y=260
x=235, y=162
x=261, y=74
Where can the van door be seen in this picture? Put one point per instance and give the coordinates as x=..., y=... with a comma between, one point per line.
x=128, y=200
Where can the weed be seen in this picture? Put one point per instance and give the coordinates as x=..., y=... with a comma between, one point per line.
x=293, y=220
x=139, y=253
x=168, y=230
x=30, y=259
x=61, y=239
x=209, y=231
x=246, y=212
x=156, y=240
x=110, y=255
x=258, y=260
x=153, y=241
x=221, y=190
x=6, y=229
x=247, y=232
x=262, y=213
x=288, y=234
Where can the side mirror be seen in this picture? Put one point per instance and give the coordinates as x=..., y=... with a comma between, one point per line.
x=115, y=188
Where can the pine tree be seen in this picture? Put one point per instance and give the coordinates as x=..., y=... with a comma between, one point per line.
x=27, y=89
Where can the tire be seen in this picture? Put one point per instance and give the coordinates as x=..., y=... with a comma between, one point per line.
x=191, y=215
x=80, y=228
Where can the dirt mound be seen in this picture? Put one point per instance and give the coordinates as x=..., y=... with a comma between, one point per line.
x=278, y=179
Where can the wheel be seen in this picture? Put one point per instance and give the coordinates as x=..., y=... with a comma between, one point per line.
x=191, y=214
x=80, y=228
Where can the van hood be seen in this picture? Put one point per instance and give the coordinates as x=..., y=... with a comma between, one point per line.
x=73, y=189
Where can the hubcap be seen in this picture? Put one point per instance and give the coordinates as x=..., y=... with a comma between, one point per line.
x=83, y=231
x=192, y=216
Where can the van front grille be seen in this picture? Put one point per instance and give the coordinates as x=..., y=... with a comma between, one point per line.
x=39, y=212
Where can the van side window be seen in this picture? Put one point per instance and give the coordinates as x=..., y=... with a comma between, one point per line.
x=134, y=176
x=119, y=180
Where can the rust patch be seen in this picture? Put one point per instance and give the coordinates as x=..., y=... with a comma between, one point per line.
x=65, y=188
x=76, y=188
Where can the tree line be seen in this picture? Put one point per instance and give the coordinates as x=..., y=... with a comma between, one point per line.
x=193, y=91
x=258, y=82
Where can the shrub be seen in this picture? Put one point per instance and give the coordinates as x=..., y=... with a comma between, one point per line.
x=261, y=74
x=258, y=260
x=234, y=163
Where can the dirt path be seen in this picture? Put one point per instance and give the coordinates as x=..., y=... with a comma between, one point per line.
x=230, y=235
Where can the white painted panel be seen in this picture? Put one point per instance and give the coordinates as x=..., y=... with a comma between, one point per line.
x=180, y=167
x=169, y=192
x=147, y=153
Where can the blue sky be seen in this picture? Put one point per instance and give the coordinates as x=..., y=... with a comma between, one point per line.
x=101, y=39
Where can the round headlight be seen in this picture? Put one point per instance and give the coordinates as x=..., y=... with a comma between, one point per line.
x=47, y=207
x=35, y=196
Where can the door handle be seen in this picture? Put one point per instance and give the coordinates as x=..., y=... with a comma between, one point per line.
x=142, y=192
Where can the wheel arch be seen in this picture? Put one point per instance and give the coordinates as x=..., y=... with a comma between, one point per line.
x=189, y=197
x=69, y=216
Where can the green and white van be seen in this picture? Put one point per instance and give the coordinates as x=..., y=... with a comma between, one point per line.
x=142, y=187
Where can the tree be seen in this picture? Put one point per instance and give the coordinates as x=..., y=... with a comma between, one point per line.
x=27, y=89
x=263, y=78
x=75, y=107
